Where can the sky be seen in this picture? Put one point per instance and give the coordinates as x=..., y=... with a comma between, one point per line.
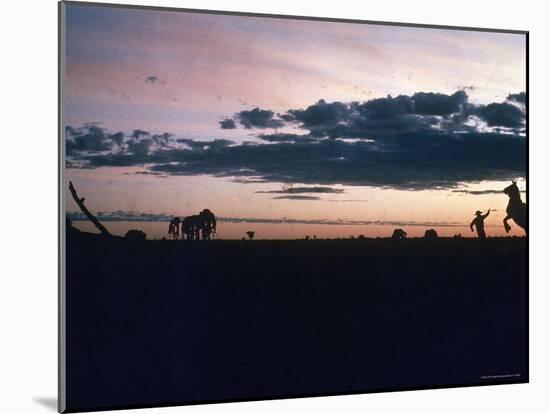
x=290, y=127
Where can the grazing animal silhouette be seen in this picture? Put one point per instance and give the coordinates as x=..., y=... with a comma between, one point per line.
x=430, y=234
x=516, y=210
x=174, y=228
x=399, y=234
x=202, y=224
x=208, y=223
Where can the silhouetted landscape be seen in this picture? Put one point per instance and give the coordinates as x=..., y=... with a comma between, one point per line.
x=216, y=320
x=262, y=207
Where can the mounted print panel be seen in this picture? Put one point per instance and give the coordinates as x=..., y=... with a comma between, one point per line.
x=257, y=207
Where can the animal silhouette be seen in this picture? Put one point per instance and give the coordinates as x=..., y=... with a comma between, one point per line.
x=208, y=224
x=191, y=227
x=174, y=228
x=399, y=234
x=204, y=223
x=516, y=209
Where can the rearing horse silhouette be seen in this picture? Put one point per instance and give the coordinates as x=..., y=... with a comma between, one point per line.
x=516, y=210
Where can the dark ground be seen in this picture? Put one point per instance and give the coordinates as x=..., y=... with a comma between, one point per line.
x=160, y=322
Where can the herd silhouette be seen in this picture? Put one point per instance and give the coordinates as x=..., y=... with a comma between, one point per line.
x=196, y=227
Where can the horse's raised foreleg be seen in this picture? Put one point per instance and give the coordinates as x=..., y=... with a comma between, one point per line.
x=506, y=225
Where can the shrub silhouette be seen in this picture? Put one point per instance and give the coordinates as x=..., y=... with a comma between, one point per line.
x=250, y=234
x=135, y=235
x=430, y=234
x=399, y=234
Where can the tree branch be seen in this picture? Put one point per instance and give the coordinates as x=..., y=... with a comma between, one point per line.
x=87, y=213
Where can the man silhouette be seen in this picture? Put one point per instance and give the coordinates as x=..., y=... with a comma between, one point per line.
x=478, y=222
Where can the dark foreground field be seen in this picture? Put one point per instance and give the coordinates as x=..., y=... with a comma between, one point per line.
x=161, y=322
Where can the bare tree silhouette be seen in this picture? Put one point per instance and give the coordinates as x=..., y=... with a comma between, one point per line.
x=80, y=202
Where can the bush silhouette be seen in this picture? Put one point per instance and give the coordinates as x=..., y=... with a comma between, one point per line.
x=399, y=234
x=135, y=235
x=430, y=234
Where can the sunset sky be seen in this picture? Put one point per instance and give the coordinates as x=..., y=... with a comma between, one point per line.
x=290, y=127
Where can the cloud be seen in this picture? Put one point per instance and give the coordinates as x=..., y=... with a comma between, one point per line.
x=409, y=161
x=227, y=123
x=407, y=142
x=134, y=216
x=304, y=190
x=296, y=197
x=386, y=116
x=90, y=138
x=148, y=173
x=282, y=137
x=520, y=97
x=438, y=103
x=320, y=113
x=162, y=140
x=258, y=118
x=481, y=192
x=213, y=146
x=152, y=79
x=501, y=115
x=381, y=116
x=120, y=215
x=138, y=133
x=413, y=161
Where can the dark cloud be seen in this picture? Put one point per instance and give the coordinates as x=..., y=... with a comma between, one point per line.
x=151, y=79
x=120, y=215
x=385, y=116
x=227, y=123
x=296, y=197
x=148, y=173
x=258, y=118
x=381, y=116
x=481, y=192
x=118, y=138
x=438, y=103
x=212, y=146
x=282, y=137
x=138, y=133
x=412, y=161
x=320, y=113
x=423, y=141
x=520, y=97
x=501, y=115
x=90, y=138
x=141, y=147
x=304, y=190
x=162, y=140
